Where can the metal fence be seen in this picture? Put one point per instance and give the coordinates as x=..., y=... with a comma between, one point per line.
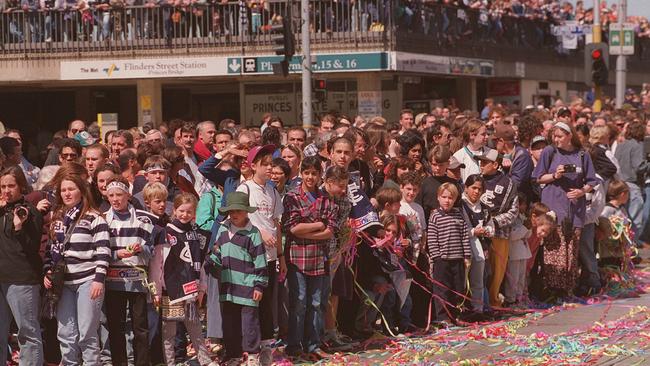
x=235, y=24
x=114, y=26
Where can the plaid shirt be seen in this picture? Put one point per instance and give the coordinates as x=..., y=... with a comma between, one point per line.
x=308, y=255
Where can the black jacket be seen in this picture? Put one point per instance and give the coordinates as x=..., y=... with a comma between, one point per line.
x=20, y=262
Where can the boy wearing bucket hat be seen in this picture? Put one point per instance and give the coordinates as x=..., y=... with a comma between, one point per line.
x=267, y=220
x=239, y=258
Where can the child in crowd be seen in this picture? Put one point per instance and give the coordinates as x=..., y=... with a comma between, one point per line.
x=613, y=247
x=501, y=199
x=543, y=222
x=427, y=197
x=126, y=280
x=481, y=230
x=309, y=221
x=518, y=255
x=155, y=199
x=182, y=285
x=240, y=260
x=449, y=252
x=412, y=211
x=267, y=220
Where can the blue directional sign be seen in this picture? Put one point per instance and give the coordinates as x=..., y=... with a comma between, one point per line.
x=336, y=62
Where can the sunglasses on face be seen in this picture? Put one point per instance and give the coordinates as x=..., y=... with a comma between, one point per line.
x=69, y=156
x=75, y=131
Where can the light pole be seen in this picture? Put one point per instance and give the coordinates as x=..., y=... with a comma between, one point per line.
x=621, y=60
x=306, y=66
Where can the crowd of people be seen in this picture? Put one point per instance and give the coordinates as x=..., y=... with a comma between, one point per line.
x=525, y=22
x=286, y=241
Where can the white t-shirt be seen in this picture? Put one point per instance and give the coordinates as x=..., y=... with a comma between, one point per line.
x=415, y=215
x=269, y=210
x=471, y=166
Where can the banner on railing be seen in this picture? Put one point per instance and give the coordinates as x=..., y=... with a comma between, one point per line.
x=143, y=68
x=432, y=64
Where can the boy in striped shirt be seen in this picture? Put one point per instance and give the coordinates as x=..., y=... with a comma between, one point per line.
x=449, y=252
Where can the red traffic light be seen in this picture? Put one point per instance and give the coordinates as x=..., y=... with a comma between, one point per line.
x=321, y=84
x=596, y=54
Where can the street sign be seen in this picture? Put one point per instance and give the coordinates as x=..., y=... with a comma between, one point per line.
x=621, y=39
x=336, y=62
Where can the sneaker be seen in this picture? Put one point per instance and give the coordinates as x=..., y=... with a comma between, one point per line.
x=333, y=344
x=315, y=355
x=266, y=356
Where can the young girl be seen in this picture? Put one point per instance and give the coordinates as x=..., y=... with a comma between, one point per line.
x=543, y=222
x=613, y=248
x=478, y=218
x=449, y=251
x=518, y=255
x=182, y=287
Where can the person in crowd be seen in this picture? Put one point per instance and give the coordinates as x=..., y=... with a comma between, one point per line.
x=412, y=147
x=449, y=252
x=292, y=154
x=614, y=251
x=517, y=162
x=204, y=145
x=568, y=175
x=267, y=220
x=70, y=151
x=298, y=137
x=81, y=234
x=126, y=285
x=327, y=123
x=157, y=170
x=501, y=199
x=242, y=281
x=632, y=161
x=31, y=171
x=414, y=213
x=405, y=120
x=95, y=156
x=182, y=287
x=481, y=226
x=428, y=195
x=474, y=135
x=310, y=220
x=20, y=268
x=122, y=139
x=221, y=139
x=518, y=255
x=278, y=178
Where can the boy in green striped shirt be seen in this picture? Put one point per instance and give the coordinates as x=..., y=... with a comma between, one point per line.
x=240, y=258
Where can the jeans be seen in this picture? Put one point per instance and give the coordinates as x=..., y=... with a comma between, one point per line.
x=215, y=328
x=305, y=316
x=243, y=324
x=589, y=277
x=635, y=208
x=194, y=330
x=23, y=302
x=476, y=282
x=78, y=318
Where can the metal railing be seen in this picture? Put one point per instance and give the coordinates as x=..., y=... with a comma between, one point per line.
x=245, y=26
x=108, y=28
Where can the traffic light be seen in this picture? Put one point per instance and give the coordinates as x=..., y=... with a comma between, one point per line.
x=596, y=64
x=320, y=89
x=283, y=45
x=599, y=73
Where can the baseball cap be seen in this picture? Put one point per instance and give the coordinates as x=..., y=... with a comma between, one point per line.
x=489, y=155
x=455, y=164
x=84, y=138
x=505, y=132
x=252, y=154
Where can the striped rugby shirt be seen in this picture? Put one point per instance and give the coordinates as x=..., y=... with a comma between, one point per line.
x=448, y=235
x=88, y=251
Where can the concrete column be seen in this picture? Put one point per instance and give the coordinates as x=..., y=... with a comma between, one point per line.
x=369, y=95
x=149, y=101
x=466, y=91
